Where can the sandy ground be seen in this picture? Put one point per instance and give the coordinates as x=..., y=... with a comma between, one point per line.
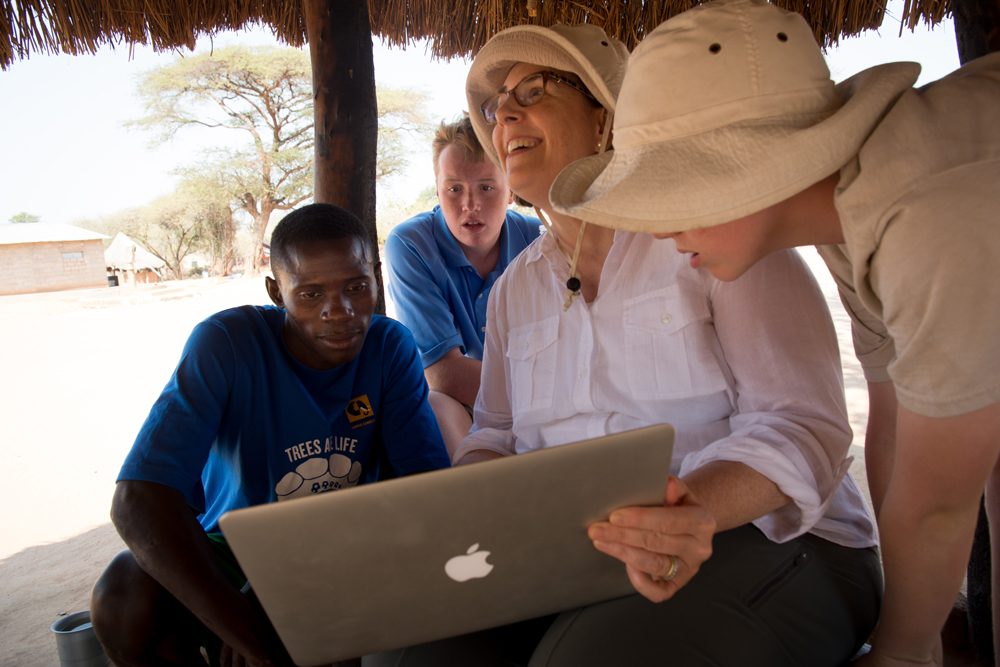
x=79, y=372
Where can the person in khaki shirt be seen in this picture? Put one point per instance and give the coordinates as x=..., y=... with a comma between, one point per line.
x=898, y=188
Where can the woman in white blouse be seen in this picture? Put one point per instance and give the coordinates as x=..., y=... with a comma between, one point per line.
x=763, y=552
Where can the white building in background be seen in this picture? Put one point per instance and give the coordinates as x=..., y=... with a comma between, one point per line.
x=49, y=257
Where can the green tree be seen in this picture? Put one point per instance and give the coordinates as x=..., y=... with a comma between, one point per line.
x=402, y=122
x=195, y=218
x=169, y=231
x=265, y=95
x=207, y=189
x=23, y=216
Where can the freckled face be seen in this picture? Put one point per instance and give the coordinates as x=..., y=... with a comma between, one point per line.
x=534, y=143
x=473, y=197
x=328, y=291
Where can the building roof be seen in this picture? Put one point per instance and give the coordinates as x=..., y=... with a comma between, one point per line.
x=124, y=253
x=45, y=232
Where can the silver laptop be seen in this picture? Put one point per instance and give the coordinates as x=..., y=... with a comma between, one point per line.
x=443, y=553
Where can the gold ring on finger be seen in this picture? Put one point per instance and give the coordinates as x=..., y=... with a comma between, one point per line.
x=675, y=565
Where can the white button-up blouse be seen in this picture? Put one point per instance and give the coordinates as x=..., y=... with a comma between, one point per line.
x=745, y=371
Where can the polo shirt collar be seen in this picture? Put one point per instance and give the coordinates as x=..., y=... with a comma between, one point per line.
x=451, y=251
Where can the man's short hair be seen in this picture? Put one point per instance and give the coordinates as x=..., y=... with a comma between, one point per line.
x=457, y=133
x=315, y=223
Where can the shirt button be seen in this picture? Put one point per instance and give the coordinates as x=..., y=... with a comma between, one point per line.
x=665, y=318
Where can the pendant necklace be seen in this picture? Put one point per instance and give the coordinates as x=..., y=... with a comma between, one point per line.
x=573, y=282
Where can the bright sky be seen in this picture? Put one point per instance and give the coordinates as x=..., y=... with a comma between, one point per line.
x=67, y=155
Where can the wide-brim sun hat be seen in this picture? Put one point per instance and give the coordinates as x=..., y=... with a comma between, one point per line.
x=584, y=49
x=725, y=110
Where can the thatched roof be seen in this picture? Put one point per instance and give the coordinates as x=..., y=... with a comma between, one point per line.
x=124, y=253
x=453, y=27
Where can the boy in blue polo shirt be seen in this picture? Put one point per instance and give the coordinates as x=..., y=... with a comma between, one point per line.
x=443, y=263
x=267, y=403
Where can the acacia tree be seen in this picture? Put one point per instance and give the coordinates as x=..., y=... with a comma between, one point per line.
x=208, y=189
x=194, y=218
x=402, y=120
x=265, y=94
x=170, y=233
x=160, y=227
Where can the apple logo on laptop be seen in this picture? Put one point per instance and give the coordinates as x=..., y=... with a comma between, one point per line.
x=470, y=565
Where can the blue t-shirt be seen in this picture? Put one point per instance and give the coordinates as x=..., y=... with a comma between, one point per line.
x=241, y=422
x=438, y=294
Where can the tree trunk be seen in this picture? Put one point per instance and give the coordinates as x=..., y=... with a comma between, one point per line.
x=345, y=108
x=228, y=259
x=261, y=219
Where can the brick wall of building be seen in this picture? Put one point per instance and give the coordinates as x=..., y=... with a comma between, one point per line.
x=51, y=266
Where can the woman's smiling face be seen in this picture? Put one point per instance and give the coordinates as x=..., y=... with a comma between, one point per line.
x=535, y=142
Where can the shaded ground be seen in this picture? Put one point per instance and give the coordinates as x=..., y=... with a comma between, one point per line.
x=42, y=583
x=80, y=370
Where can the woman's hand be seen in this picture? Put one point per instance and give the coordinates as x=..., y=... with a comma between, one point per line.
x=662, y=547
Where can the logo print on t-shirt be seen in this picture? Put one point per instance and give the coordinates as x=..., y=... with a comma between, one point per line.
x=359, y=409
x=317, y=475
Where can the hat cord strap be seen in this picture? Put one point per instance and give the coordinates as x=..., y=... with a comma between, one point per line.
x=609, y=117
x=573, y=283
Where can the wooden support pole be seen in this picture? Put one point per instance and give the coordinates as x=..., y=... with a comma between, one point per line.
x=977, y=27
x=345, y=107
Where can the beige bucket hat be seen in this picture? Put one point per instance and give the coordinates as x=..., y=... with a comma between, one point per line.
x=584, y=50
x=725, y=110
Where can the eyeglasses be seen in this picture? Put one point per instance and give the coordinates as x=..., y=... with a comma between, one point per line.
x=528, y=91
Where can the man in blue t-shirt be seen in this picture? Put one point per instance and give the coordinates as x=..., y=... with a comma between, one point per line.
x=443, y=263
x=266, y=404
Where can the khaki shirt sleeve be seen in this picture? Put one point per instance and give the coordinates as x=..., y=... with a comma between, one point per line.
x=872, y=344
x=936, y=273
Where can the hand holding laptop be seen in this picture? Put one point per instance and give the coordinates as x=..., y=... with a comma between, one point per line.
x=662, y=547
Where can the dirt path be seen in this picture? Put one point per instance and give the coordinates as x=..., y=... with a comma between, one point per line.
x=80, y=370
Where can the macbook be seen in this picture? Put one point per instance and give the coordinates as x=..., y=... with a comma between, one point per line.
x=410, y=560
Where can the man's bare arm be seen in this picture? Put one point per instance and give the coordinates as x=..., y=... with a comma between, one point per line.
x=926, y=524
x=170, y=545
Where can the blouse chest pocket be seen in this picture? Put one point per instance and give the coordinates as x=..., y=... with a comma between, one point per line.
x=671, y=344
x=531, y=357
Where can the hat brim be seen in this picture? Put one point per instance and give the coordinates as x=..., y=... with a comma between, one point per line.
x=729, y=172
x=531, y=44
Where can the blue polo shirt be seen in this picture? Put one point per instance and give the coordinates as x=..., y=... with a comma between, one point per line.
x=438, y=294
x=241, y=422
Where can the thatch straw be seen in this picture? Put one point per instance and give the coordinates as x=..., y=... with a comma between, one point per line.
x=453, y=27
